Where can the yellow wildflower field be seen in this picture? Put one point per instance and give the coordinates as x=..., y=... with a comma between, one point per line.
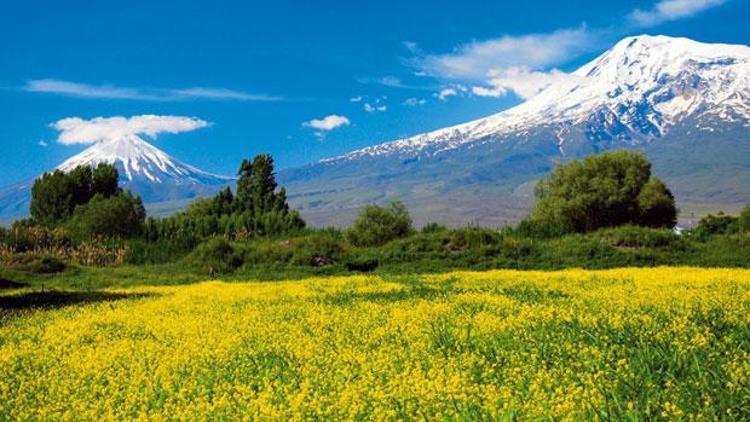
x=624, y=343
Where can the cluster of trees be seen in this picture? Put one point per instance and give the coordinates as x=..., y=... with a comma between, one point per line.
x=87, y=201
x=257, y=208
x=606, y=190
x=719, y=224
x=55, y=195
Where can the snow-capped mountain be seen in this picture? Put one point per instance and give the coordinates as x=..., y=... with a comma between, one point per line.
x=163, y=182
x=685, y=103
x=635, y=92
x=138, y=161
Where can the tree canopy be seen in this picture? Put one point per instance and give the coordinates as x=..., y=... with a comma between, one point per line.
x=377, y=225
x=605, y=190
x=55, y=195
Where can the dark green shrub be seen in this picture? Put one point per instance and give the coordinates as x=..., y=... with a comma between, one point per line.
x=641, y=237
x=120, y=215
x=712, y=225
x=46, y=264
x=215, y=256
x=475, y=239
x=316, y=250
x=377, y=226
x=37, y=263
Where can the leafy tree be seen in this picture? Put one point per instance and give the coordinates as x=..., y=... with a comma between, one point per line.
x=656, y=205
x=743, y=221
x=51, y=198
x=377, y=225
x=256, y=185
x=54, y=196
x=601, y=191
x=105, y=180
x=717, y=224
x=81, y=185
x=119, y=215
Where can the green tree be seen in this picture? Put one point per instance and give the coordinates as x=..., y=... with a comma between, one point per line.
x=81, y=185
x=656, y=205
x=120, y=215
x=51, y=198
x=743, y=221
x=256, y=185
x=377, y=225
x=105, y=178
x=55, y=195
x=601, y=191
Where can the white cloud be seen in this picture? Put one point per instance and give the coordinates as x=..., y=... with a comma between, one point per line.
x=371, y=108
x=520, y=79
x=356, y=99
x=74, y=130
x=391, y=81
x=43, y=143
x=474, y=61
x=668, y=10
x=445, y=93
x=411, y=46
x=413, y=101
x=327, y=123
x=73, y=89
x=81, y=90
x=221, y=94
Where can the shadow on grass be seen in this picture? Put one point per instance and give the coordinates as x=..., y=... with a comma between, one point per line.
x=58, y=299
x=6, y=284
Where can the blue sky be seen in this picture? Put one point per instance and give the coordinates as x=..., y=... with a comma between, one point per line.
x=302, y=80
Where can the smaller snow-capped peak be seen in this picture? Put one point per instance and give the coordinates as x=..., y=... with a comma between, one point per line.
x=643, y=84
x=137, y=160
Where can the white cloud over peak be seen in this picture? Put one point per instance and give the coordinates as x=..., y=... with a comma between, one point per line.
x=525, y=82
x=327, y=123
x=474, y=61
x=669, y=10
x=82, y=90
x=75, y=130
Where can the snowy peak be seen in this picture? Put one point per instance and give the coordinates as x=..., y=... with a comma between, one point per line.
x=137, y=160
x=633, y=93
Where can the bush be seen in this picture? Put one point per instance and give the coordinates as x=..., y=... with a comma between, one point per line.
x=120, y=215
x=215, y=256
x=434, y=228
x=46, y=264
x=317, y=250
x=37, y=263
x=712, y=225
x=641, y=237
x=377, y=226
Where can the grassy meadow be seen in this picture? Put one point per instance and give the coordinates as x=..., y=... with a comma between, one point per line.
x=664, y=342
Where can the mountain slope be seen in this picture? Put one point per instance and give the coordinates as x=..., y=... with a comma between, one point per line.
x=685, y=103
x=163, y=182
